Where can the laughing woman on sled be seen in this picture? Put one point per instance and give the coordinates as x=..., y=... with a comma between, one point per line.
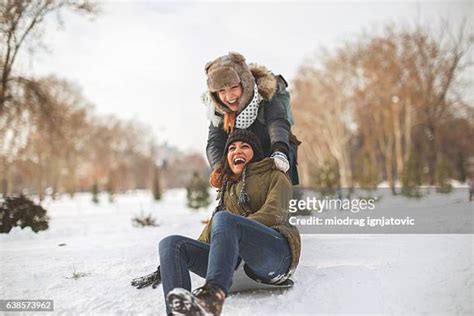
x=250, y=225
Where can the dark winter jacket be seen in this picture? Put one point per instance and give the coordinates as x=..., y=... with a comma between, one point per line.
x=270, y=191
x=271, y=126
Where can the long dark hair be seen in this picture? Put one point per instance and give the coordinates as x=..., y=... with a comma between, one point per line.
x=227, y=173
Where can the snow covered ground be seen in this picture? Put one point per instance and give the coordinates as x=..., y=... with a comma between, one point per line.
x=382, y=274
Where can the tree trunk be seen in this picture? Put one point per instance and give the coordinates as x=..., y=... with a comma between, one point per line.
x=4, y=177
x=388, y=165
x=398, y=141
x=40, y=184
x=408, y=126
x=433, y=154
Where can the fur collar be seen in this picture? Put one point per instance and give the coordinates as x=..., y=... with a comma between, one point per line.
x=266, y=81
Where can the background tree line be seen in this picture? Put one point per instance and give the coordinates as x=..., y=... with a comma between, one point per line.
x=64, y=146
x=68, y=148
x=388, y=107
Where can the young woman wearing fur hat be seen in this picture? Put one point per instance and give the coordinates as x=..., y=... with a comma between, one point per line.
x=250, y=225
x=249, y=97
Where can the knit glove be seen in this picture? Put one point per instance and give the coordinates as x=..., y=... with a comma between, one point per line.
x=153, y=279
x=280, y=161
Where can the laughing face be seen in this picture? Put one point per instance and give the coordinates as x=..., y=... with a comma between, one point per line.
x=230, y=96
x=239, y=155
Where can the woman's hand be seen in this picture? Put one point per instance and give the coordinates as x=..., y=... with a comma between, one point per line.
x=215, y=179
x=280, y=161
x=153, y=279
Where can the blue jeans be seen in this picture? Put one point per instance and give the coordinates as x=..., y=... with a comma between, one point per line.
x=265, y=251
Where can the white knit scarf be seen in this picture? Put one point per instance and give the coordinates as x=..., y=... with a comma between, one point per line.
x=246, y=118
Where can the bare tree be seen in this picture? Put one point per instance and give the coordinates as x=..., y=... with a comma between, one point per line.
x=385, y=98
x=54, y=138
x=19, y=20
x=21, y=26
x=323, y=102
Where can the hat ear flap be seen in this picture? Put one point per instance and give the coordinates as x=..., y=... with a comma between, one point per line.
x=208, y=65
x=236, y=57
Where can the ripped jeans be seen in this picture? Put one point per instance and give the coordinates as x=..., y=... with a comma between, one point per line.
x=233, y=237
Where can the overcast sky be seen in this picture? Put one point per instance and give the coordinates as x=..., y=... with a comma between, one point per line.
x=145, y=60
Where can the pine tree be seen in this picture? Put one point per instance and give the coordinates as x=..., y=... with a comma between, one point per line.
x=327, y=179
x=23, y=212
x=366, y=172
x=443, y=174
x=412, y=177
x=156, y=184
x=198, y=192
x=111, y=188
x=95, y=193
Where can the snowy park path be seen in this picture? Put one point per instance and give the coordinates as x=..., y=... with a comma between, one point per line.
x=383, y=274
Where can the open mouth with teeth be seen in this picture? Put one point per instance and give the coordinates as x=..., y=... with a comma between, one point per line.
x=233, y=103
x=239, y=160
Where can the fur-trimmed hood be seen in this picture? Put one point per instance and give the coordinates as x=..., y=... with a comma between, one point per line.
x=266, y=81
x=267, y=85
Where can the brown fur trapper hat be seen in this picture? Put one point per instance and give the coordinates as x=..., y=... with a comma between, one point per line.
x=226, y=71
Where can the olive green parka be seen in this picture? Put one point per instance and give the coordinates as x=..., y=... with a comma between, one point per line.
x=270, y=191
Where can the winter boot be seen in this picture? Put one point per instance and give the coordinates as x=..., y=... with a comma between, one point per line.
x=182, y=303
x=210, y=298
